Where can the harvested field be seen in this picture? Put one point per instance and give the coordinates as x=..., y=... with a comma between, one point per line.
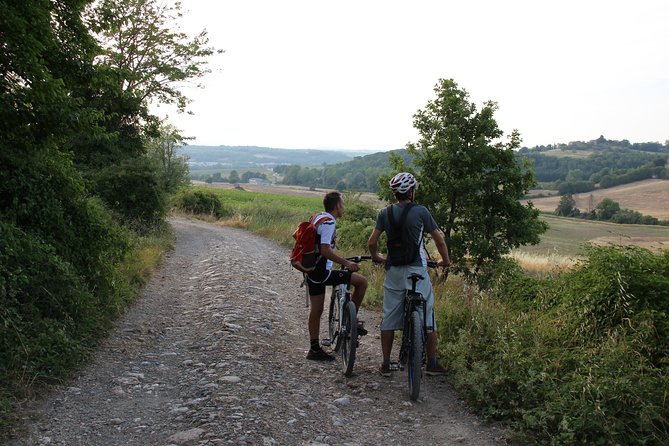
x=650, y=197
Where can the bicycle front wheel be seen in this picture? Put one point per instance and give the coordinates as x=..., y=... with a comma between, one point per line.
x=415, y=356
x=349, y=337
x=333, y=318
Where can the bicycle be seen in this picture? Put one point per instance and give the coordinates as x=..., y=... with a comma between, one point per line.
x=343, y=321
x=414, y=335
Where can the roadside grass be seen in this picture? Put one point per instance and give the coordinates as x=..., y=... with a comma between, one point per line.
x=543, y=264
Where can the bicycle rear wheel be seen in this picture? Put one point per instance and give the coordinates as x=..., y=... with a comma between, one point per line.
x=334, y=317
x=415, y=357
x=349, y=337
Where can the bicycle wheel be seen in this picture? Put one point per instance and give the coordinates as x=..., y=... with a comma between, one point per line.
x=415, y=357
x=349, y=337
x=333, y=318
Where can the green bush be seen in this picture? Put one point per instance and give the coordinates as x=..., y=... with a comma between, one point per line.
x=47, y=312
x=581, y=358
x=133, y=189
x=200, y=201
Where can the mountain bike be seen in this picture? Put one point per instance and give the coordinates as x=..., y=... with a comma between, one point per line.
x=343, y=321
x=414, y=335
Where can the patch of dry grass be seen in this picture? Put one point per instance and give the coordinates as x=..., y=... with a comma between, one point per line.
x=543, y=264
x=236, y=221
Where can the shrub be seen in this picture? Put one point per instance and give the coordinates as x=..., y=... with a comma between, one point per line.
x=581, y=358
x=200, y=201
x=133, y=190
x=45, y=308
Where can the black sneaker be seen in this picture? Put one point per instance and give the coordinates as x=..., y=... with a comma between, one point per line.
x=319, y=355
x=362, y=331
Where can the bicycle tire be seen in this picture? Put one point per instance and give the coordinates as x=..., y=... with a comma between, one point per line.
x=415, y=359
x=349, y=337
x=333, y=319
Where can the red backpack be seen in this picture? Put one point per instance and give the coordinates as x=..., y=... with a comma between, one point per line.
x=305, y=253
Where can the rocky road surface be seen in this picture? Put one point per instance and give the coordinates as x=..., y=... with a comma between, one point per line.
x=213, y=352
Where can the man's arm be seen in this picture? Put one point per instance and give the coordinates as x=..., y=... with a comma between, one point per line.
x=440, y=243
x=328, y=253
x=373, y=245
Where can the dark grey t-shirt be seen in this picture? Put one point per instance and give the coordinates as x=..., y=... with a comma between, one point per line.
x=419, y=220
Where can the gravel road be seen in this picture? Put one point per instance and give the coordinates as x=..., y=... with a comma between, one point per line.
x=213, y=352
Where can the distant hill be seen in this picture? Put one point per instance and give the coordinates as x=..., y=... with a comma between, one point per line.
x=252, y=157
x=583, y=166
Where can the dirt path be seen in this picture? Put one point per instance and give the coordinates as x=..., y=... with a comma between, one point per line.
x=213, y=352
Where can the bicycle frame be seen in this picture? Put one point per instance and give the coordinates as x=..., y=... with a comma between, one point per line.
x=343, y=322
x=414, y=343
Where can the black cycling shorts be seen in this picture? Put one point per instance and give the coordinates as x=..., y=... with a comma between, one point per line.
x=318, y=280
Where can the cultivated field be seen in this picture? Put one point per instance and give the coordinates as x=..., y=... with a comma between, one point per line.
x=367, y=197
x=566, y=236
x=650, y=197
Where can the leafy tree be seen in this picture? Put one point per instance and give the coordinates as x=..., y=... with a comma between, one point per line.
x=234, y=176
x=140, y=41
x=567, y=207
x=470, y=181
x=142, y=59
x=58, y=245
x=606, y=209
x=172, y=167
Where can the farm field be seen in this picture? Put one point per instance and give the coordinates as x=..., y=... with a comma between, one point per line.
x=303, y=191
x=566, y=236
x=650, y=197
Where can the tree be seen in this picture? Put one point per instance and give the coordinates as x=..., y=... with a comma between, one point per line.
x=606, y=209
x=142, y=59
x=59, y=247
x=470, y=181
x=567, y=207
x=234, y=177
x=142, y=43
x=172, y=167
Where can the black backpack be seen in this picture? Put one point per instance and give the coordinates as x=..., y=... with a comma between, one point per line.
x=401, y=249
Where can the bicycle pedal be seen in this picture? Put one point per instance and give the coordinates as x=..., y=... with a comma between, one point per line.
x=396, y=366
x=326, y=343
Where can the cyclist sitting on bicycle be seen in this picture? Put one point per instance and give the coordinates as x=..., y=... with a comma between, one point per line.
x=324, y=275
x=418, y=221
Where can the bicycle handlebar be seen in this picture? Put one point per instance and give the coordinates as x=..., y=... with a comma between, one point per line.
x=358, y=259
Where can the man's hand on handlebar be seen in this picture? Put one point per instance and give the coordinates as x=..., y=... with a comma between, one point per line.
x=378, y=259
x=351, y=266
x=444, y=263
x=352, y=262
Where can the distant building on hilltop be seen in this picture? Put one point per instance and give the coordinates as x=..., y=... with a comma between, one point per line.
x=260, y=181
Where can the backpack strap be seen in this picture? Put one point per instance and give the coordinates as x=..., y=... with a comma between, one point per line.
x=403, y=216
x=324, y=219
x=317, y=224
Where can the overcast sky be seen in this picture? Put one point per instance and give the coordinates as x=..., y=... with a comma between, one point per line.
x=350, y=74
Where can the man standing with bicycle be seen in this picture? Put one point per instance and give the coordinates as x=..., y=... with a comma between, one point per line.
x=403, y=258
x=323, y=275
